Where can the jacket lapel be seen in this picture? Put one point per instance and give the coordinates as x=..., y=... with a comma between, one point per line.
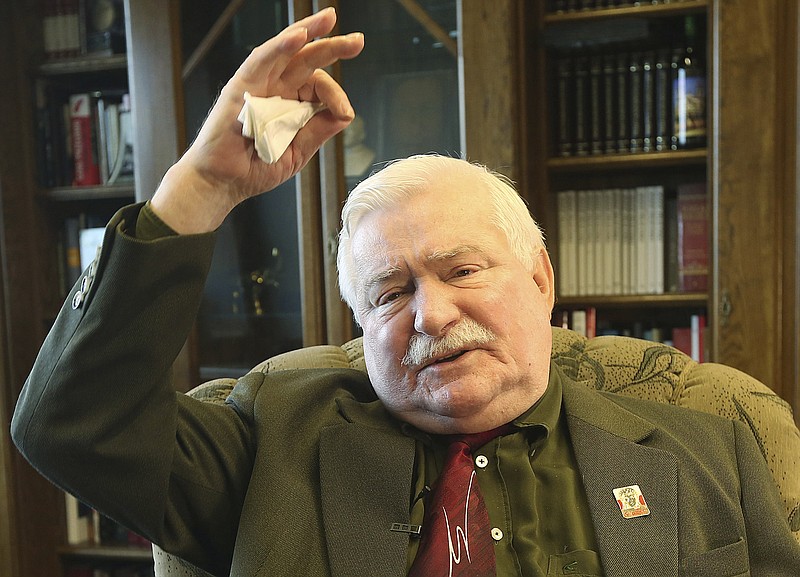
x=365, y=475
x=611, y=449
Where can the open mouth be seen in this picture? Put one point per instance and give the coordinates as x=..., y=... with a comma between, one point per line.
x=449, y=358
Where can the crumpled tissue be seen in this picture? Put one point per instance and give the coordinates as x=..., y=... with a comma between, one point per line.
x=273, y=122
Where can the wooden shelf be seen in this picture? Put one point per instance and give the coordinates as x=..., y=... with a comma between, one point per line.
x=644, y=9
x=108, y=552
x=667, y=300
x=83, y=193
x=84, y=64
x=612, y=162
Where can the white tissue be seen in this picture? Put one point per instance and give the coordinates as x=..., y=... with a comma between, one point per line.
x=273, y=122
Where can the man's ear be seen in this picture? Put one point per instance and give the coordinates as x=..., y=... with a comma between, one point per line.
x=544, y=277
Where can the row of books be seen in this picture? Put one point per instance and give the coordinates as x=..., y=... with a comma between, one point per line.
x=574, y=5
x=689, y=339
x=618, y=100
x=85, y=526
x=82, y=236
x=72, y=28
x=85, y=138
x=625, y=241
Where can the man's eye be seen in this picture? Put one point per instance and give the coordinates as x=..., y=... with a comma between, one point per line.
x=389, y=297
x=462, y=272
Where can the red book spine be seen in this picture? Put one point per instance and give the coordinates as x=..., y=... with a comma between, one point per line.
x=693, y=236
x=87, y=170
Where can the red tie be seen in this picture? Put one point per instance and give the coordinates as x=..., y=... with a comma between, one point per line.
x=456, y=537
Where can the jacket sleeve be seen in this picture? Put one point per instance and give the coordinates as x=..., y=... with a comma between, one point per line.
x=98, y=414
x=772, y=549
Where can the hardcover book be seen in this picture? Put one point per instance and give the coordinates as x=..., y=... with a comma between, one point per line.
x=693, y=237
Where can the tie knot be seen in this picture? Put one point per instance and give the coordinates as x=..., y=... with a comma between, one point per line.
x=475, y=440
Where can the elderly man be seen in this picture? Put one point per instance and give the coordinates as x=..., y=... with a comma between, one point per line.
x=329, y=473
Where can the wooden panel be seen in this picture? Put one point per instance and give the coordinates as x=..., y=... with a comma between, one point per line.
x=791, y=210
x=488, y=51
x=30, y=530
x=153, y=72
x=752, y=184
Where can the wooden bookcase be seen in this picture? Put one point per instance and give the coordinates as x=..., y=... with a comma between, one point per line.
x=748, y=165
x=33, y=534
x=608, y=80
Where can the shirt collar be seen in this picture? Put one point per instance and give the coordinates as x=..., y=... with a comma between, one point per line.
x=538, y=421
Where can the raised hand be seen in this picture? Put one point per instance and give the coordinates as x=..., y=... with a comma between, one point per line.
x=221, y=168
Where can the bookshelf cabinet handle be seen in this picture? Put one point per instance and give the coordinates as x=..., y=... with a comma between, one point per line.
x=725, y=308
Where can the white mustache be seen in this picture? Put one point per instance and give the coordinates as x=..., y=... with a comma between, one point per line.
x=424, y=348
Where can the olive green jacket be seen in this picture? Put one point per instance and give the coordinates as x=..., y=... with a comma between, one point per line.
x=304, y=472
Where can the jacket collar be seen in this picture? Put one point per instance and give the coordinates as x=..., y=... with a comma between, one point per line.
x=611, y=448
x=366, y=471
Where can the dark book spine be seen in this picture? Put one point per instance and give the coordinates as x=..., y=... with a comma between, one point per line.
x=565, y=95
x=648, y=102
x=609, y=104
x=581, y=105
x=636, y=118
x=663, y=101
x=623, y=99
x=596, y=104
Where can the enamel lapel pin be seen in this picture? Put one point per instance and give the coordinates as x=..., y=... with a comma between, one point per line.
x=631, y=502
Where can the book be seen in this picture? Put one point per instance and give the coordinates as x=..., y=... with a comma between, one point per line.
x=609, y=104
x=595, y=106
x=579, y=322
x=72, y=251
x=691, y=340
x=693, y=237
x=121, y=148
x=623, y=103
x=83, y=140
x=662, y=123
x=61, y=28
x=697, y=331
x=581, y=105
x=82, y=522
x=648, y=102
x=636, y=79
x=655, y=262
x=565, y=118
x=568, y=242
x=90, y=241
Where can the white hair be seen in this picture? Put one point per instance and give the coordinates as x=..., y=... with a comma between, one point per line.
x=401, y=179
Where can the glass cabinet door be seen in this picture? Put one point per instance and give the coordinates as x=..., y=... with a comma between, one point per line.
x=251, y=306
x=404, y=88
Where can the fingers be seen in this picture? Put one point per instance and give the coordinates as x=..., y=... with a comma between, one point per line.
x=318, y=24
x=272, y=57
x=285, y=63
x=323, y=88
x=320, y=54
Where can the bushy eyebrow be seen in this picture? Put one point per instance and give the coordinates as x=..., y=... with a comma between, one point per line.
x=374, y=279
x=379, y=277
x=443, y=255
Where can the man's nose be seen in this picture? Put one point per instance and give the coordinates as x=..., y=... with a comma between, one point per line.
x=435, y=309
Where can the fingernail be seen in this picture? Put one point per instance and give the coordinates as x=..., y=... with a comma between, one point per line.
x=348, y=112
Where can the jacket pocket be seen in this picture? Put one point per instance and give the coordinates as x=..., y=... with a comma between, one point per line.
x=728, y=561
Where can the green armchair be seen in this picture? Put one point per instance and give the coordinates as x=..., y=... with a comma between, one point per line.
x=621, y=365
